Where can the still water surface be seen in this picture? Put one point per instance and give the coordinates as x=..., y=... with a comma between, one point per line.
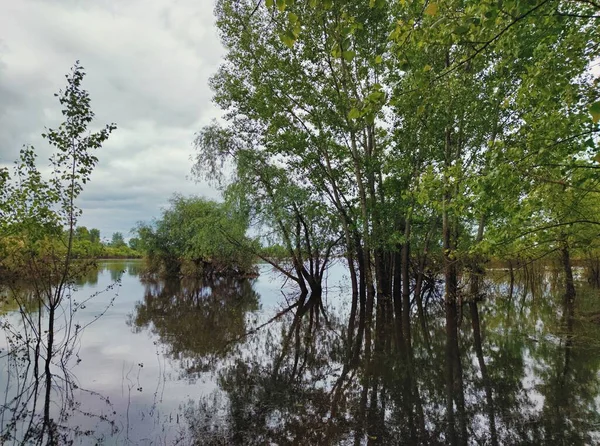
x=183, y=362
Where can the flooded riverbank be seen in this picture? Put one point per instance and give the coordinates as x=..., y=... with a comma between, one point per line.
x=185, y=362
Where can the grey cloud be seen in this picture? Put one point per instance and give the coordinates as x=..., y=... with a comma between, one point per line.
x=147, y=64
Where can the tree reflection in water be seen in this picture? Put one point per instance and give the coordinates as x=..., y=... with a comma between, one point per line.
x=42, y=393
x=526, y=365
x=529, y=376
x=199, y=322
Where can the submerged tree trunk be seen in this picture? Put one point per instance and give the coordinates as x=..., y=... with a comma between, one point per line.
x=511, y=271
x=397, y=301
x=475, y=322
x=48, y=422
x=451, y=330
x=569, y=282
x=353, y=305
x=406, y=286
x=454, y=384
x=362, y=309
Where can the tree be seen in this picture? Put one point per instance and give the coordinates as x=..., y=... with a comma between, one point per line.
x=40, y=216
x=117, y=240
x=135, y=243
x=94, y=235
x=209, y=235
x=421, y=131
x=82, y=233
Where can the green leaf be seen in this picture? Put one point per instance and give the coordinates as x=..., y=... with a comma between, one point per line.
x=269, y=3
x=346, y=44
x=335, y=51
x=354, y=113
x=461, y=30
x=378, y=59
x=376, y=96
x=491, y=14
x=431, y=9
x=595, y=112
x=288, y=38
x=281, y=5
x=348, y=55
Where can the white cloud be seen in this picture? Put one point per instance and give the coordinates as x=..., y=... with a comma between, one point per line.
x=147, y=64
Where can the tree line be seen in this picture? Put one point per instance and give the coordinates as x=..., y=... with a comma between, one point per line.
x=89, y=244
x=86, y=244
x=419, y=141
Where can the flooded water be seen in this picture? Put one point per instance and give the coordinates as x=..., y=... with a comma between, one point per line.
x=182, y=362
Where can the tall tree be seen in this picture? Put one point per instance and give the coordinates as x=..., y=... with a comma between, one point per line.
x=421, y=128
x=41, y=215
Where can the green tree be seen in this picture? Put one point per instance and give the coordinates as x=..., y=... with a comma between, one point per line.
x=135, y=244
x=432, y=136
x=94, y=235
x=117, y=240
x=39, y=218
x=209, y=235
x=82, y=233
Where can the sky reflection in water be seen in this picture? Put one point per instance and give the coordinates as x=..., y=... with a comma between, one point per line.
x=170, y=361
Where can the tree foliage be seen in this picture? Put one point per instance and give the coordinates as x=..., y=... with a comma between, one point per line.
x=209, y=237
x=38, y=234
x=417, y=139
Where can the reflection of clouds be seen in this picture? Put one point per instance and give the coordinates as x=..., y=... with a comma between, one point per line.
x=116, y=350
x=111, y=356
x=532, y=380
x=199, y=323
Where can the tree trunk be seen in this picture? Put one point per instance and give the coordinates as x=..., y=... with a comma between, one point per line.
x=484, y=374
x=48, y=422
x=406, y=286
x=353, y=305
x=451, y=329
x=512, y=280
x=569, y=282
x=397, y=299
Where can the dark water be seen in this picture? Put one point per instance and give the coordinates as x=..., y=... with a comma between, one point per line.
x=183, y=362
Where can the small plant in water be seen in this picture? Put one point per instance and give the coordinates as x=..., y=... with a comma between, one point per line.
x=38, y=218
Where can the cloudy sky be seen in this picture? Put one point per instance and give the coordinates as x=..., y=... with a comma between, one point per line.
x=148, y=63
